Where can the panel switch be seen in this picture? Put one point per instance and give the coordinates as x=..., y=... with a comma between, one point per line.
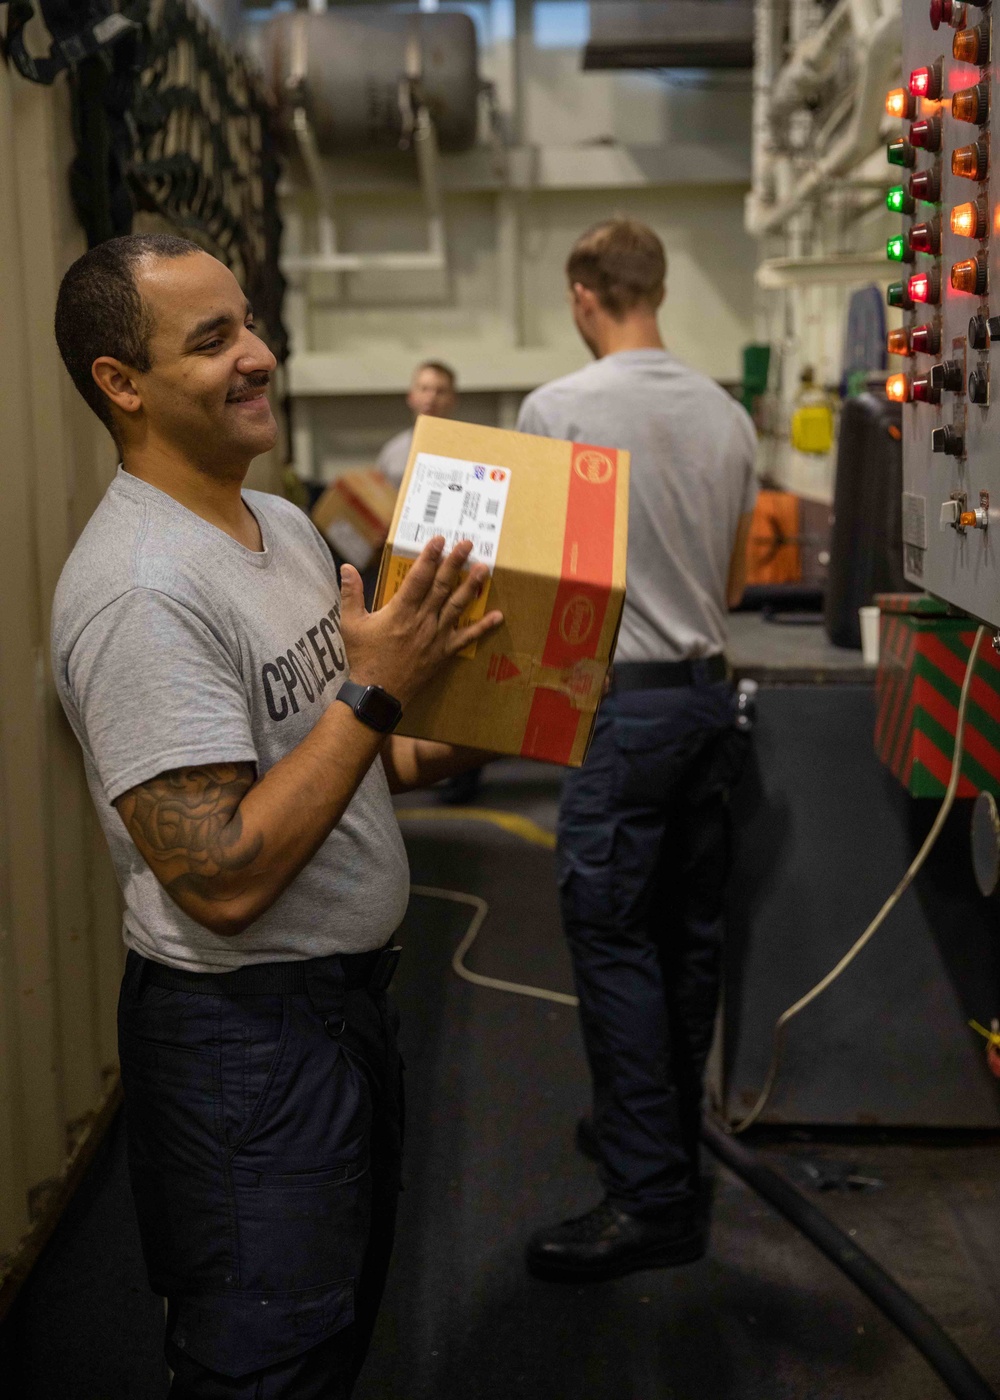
x=948, y=440
x=950, y=512
x=947, y=375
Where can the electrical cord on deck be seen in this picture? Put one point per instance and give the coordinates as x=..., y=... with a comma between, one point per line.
x=778, y=1033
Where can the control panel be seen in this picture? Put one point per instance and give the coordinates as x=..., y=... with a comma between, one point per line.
x=949, y=345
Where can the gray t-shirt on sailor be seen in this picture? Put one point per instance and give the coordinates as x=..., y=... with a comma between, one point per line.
x=394, y=456
x=692, y=477
x=175, y=646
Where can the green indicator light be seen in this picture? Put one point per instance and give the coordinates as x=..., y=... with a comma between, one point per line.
x=897, y=201
x=896, y=249
x=897, y=295
x=900, y=153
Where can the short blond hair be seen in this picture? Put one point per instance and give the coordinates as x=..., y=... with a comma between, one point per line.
x=622, y=261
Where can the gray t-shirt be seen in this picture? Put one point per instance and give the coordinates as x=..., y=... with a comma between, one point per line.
x=394, y=456
x=173, y=646
x=692, y=477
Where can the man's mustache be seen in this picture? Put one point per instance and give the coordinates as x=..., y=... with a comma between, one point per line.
x=249, y=384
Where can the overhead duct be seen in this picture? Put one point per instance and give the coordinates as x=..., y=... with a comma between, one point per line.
x=670, y=34
x=360, y=74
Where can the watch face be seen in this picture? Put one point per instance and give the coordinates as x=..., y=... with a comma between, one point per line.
x=379, y=709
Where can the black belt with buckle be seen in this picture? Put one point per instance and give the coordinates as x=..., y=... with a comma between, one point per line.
x=664, y=675
x=371, y=971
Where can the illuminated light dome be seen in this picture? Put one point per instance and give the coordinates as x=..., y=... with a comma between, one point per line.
x=898, y=250
x=969, y=220
x=897, y=388
x=972, y=45
x=900, y=104
x=897, y=201
x=925, y=287
x=926, y=82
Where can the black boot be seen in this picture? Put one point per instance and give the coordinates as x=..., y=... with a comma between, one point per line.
x=608, y=1242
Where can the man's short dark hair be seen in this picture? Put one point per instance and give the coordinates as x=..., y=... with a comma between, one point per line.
x=99, y=310
x=622, y=261
x=439, y=367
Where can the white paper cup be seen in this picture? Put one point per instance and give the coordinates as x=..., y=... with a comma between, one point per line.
x=869, y=634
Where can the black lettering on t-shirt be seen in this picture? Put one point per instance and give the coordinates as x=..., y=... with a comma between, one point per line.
x=321, y=652
x=332, y=639
x=300, y=646
x=301, y=673
x=272, y=709
x=291, y=681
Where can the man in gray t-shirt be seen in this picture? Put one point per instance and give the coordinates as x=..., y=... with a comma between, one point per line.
x=643, y=837
x=235, y=711
x=432, y=392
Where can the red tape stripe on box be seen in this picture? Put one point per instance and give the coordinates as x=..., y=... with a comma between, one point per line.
x=581, y=599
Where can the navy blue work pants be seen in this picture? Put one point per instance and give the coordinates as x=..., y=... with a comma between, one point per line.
x=264, y=1139
x=643, y=855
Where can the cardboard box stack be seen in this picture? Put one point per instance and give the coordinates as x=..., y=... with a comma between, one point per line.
x=353, y=515
x=550, y=518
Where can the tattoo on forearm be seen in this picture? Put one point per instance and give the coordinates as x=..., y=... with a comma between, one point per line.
x=188, y=828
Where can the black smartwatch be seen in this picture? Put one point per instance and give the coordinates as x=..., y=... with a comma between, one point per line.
x=372, y=705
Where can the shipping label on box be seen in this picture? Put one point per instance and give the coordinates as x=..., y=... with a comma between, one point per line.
x=550, y=521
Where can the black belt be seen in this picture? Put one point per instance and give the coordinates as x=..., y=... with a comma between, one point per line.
x=664, y=675
x=361, y=971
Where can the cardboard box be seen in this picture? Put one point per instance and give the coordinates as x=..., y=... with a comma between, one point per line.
x=551, y=520
x=354, y=513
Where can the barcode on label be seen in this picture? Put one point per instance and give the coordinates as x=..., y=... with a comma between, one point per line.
x=431, y=508
x=485, y=549
x=492, y=507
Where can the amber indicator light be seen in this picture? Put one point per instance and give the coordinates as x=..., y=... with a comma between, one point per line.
x=900, y=104
x=926, y=134
x=972, y=45
x=925, y=185
x=971, y=162
x=969, y=220
x=972, y=104
x=925, y=340
x=926, y=238
x=897, y=388
x=969, y=275
x=898, y=343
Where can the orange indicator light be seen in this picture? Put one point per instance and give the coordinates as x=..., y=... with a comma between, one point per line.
x=897, y=388
x=971, y=162
x=969, y=275
x=972, y=45
x=969, y=220
x=898, y=343
x=972, y=104
x=899, y=104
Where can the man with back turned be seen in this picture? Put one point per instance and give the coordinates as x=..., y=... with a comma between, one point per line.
x=202, y=651
x=643, y=834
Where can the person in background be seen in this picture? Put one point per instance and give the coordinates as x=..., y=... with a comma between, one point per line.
x=432, y=391
x=235, y=708
x=643, y=843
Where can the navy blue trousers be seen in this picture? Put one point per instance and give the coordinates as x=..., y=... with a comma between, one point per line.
x=643, y=855
x=264, y=1140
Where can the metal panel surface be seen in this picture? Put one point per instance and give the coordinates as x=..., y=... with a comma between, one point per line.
x=958, y=564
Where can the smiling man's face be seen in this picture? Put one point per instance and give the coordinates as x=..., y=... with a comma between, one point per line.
x=205, y=393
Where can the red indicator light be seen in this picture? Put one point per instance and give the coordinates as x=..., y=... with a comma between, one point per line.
x=969, y=275
x=926, y=82
x=925, y=340
x=926, y=134
x=898, y=343
x=969, y=220
x=925, y=185
x=926, y=238
x=925, y=287
x=972, y=104
x=897, y=388
x=923, y=391
x=971, y=162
